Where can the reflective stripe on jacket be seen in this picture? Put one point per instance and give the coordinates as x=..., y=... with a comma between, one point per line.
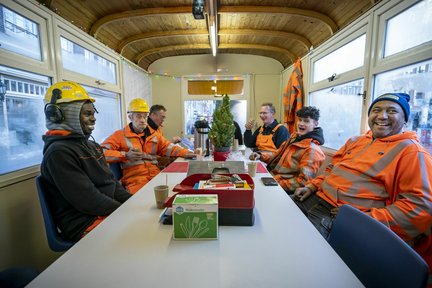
x=137, y=173
x=297, y=162
x=388, y=178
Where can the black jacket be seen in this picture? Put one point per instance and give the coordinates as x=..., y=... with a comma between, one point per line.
x=78, y=182
x=238, y=134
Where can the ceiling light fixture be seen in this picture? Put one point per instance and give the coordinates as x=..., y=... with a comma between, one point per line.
x=212, y=25
x=213, y=38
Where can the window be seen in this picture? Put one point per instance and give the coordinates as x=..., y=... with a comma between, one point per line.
x=108, y=116
x=78, y=59
x=346, y=58
x=340, y=108
x=19, y=34
x=409, y=28
x=203, y=109
x=414, y=80
x=22, y=120
x=201, y=97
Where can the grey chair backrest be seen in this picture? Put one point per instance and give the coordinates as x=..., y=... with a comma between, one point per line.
x=376, y=255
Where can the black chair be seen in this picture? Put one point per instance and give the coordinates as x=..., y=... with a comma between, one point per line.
x=116, y=169
x=55, y=240
x=376, y=255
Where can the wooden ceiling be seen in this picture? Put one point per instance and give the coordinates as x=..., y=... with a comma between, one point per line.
x=144, y=31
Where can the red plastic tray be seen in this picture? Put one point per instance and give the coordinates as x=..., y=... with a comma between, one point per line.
x=227, y=198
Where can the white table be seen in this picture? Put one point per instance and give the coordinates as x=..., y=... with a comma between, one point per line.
x=131, y=249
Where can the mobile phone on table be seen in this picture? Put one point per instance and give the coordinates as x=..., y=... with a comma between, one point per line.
x=269, y=181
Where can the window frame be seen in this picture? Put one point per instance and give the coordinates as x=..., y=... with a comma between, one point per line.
x=71, y=33
x=361, y=26
x=185, y=96
x=410, y=56
x=45, y=66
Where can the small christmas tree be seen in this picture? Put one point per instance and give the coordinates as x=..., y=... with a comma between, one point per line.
x=222, y=129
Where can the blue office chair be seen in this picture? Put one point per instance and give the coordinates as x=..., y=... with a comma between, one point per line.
x=55, y=240
x=116, y=169
x=376, y=255
x=17, y=277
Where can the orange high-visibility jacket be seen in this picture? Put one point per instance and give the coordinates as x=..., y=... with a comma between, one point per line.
x=293, y=96
x=296, y=162
x=136, y=174
x=388, y=178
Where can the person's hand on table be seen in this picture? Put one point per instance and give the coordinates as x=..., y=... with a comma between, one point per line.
x=302, y=193
x=254, y=156
x=190, y=156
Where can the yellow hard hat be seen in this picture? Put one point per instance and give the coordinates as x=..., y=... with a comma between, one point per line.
x=138, y=105
x=70, y=91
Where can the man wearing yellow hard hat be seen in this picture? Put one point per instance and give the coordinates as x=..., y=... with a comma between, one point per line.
x=75, y=176
x=137, y=146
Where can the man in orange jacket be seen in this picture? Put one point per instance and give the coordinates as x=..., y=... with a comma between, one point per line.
x=384, y=173
x=298, y=159
x=137, y=146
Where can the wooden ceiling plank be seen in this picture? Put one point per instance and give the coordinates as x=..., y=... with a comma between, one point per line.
x=136, y=13
x=303, y=40
x=148, y=52
x=329, y=22
x=144, y=36
x=259, y=47
x=155, y=35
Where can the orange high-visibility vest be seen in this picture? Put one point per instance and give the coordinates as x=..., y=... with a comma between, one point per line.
x=265, y=143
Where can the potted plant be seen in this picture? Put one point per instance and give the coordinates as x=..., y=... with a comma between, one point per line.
x=222, y=130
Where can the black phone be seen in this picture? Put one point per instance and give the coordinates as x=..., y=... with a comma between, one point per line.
x=269, y=181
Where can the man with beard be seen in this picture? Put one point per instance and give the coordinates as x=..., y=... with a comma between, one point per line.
x=137, y=147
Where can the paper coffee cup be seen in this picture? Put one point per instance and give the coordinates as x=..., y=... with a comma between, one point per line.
x=161, y=193
x=235, y=145
x=252, y=168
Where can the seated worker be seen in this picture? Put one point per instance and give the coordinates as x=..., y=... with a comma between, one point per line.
x=269, y=137
x=384, y=173
x=156, y=119
x=298, y=159
x=78, y=182
x=137, y=146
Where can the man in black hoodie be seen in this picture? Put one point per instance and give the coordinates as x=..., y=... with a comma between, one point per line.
x=78, y=183
x=298, y=159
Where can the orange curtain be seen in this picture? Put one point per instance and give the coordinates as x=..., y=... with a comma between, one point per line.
x=293, y=96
